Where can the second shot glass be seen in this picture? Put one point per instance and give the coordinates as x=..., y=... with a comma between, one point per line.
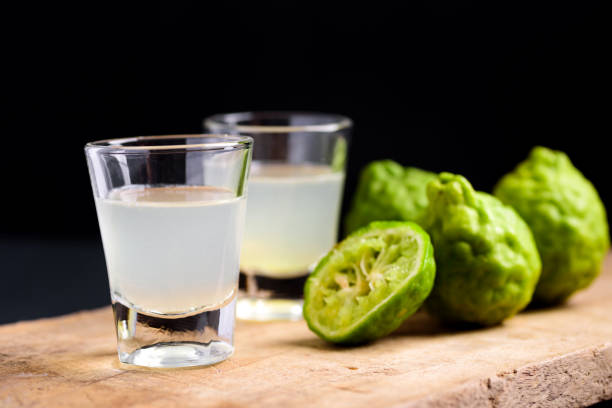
x=295, y=193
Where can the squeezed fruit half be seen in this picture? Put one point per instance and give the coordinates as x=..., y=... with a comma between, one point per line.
x=370, y=282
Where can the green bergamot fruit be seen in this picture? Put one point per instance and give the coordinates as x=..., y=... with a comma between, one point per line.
x=370, y=282
x=388, y=191
x=566, y=216
x=487, y=261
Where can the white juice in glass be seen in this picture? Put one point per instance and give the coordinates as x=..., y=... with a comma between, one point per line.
x=172, y=250
x=292, y=218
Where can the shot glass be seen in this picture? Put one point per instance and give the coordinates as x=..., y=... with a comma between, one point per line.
x=171, y=214
x=295, y=192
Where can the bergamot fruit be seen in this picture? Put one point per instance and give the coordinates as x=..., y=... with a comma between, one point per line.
x=566, y=216
x=370, y=282
x=486, y=258
x=388, y=191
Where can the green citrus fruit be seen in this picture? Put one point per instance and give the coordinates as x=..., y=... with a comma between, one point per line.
x=370, y=282
x=486, y=258
x=567, y=218
x=387, y=191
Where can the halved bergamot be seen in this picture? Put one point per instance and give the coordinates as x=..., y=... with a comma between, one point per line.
x=370, y=283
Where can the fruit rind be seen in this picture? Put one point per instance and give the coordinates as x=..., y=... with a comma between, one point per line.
x=388, y=191
x=486, y=259
x=566, y=216
x=389, y=312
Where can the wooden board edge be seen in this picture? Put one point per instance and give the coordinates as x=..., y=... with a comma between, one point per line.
x=576, y=379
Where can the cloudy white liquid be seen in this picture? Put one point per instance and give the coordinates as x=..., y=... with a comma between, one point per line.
x=292, y=218
x=172, y=250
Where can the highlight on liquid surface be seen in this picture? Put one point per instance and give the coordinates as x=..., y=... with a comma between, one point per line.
x=174, y=249
x=292, y=217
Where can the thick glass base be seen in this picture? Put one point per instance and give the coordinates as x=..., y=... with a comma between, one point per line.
x=154, y=340
x=268, y=309
x=264, y=298
x=179, y=354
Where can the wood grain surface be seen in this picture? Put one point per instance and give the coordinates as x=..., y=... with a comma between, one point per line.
x=558, y=357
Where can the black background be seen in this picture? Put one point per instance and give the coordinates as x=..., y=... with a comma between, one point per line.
x=460, y=86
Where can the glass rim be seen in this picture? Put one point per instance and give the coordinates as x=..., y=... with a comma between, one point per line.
x=225, y=120
x=118, y=145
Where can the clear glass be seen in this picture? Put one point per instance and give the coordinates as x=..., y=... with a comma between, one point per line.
x=295, y=192
x=171, y=214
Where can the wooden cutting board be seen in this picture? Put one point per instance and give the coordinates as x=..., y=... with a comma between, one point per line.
x=559, y=357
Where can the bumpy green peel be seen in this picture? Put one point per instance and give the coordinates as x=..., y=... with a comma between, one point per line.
x=566, y=216
x=388, y=191
x=486, y=257
x=370, y=282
